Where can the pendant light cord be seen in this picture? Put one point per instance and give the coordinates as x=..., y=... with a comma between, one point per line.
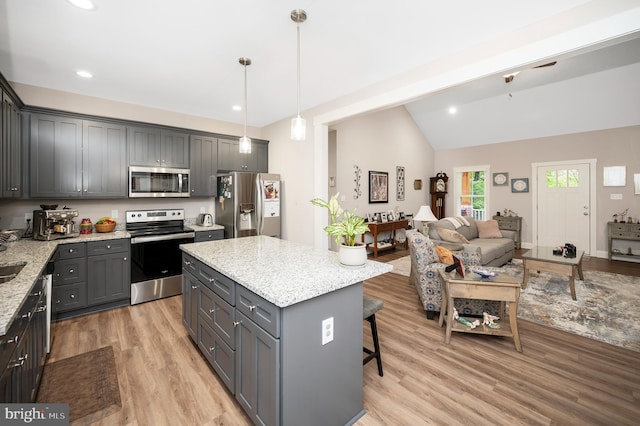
x=298, y=29
x=245, y=100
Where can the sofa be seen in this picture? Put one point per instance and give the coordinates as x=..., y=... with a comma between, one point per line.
x=425, y=276
x=496, y=246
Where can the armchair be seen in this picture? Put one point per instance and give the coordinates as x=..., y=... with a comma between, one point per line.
x=425, y=264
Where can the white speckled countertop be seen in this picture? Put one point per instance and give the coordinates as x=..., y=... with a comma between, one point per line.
x=282, y=272
x=36, y=254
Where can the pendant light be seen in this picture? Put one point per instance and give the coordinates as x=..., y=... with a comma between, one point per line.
x=245, y=142
x=298, y=124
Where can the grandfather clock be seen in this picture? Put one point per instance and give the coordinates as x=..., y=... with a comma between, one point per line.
x=438, y=189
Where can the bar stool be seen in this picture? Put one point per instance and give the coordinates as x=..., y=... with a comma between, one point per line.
x=369, y=308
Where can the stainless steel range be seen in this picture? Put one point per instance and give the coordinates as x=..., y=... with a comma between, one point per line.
x=156, y=267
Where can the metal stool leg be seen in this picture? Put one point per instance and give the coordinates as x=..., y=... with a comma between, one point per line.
x=375, y=353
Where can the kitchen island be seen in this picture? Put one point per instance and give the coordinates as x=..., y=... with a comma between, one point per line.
x=258, y=308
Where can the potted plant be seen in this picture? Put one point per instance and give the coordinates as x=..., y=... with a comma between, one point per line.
x=346, y=227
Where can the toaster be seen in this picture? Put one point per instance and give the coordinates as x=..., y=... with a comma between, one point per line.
x=205, y=219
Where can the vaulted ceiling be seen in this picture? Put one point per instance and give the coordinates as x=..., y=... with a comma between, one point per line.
x=183, y=56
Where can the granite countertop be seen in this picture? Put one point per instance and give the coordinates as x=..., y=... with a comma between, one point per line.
x=36, y=254
x=198, y=228
x=282, y=272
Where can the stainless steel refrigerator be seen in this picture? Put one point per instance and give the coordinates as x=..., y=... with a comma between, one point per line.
x=248, y=204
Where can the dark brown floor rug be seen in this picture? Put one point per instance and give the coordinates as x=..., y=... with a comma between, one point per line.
x=87, y=382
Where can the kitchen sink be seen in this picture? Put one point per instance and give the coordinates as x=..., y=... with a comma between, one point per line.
x=9, y=272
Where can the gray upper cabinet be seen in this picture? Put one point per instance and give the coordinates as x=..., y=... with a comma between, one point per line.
x=104, y=159
x=56, y=156
x=75, y=158
x=230, y=159
x=11, y=146
x=203, y=165
x=149, y=146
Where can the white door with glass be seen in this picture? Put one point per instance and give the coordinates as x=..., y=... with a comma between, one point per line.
x=562, y=206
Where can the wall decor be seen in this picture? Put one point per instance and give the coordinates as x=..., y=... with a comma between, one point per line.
x=501, y=179
x=378, y=187
x=399, y=183
x=357, y=190
x=417, y=184
x=614, y=176
x=520, y=185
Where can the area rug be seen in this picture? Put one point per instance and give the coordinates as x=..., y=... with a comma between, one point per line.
x=87, y=382
x=606, y=308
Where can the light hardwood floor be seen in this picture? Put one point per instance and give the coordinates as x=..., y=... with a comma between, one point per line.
x=558, y=379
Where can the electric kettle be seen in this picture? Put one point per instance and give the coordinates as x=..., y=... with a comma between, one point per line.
x=205, y=219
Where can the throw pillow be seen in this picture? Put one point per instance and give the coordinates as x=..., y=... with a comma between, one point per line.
x=488, y=229
x=445, y=255
x=452, y=236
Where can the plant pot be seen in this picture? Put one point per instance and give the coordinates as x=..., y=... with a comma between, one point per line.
x=352, y=255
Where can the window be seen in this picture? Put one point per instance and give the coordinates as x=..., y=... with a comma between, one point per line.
x=471, y=192
x=563, y=178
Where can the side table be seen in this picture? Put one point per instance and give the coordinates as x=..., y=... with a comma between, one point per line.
x=503, y=288
x=511, y=223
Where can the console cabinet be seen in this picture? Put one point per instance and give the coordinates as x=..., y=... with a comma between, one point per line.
x=624, y=241
x=511, y=223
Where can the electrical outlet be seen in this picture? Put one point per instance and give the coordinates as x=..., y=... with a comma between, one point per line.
x=327, y=331
x=114, y=214
x=28, y=217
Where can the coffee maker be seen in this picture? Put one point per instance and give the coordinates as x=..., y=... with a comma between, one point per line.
x=54, y=224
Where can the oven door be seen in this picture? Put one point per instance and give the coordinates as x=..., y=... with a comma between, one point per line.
x=156, y=266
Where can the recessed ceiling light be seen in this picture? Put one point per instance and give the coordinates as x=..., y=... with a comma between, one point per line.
x=453, y=110
x=84, y=74
x=236, y=108
x=83, y=4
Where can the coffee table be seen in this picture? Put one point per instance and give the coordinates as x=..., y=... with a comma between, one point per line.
x=503, y=288
x=541, y=258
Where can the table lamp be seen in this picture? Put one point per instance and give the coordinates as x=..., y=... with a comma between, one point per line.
x=425, y=215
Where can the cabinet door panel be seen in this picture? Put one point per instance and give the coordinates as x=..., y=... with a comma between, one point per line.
x=11, y=149
x=203, y=165
x=104, y=160
x=69, y=271
x=175, y=150
x=144, y=146
x=68, y=297
x=108, y=278
x=56, y=156
x=220, y=356
x=257, y=379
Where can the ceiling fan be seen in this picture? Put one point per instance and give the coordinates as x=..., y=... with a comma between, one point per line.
x=508, y=78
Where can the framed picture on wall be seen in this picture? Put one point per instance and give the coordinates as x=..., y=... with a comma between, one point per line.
x=378, y=187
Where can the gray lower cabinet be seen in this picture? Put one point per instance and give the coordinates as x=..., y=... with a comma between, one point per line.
x=10, y=149
x=91, y=276
x=230, y=159
x=216, y=234
x=108, y=271
x=23, y=350
x=203, y=165
x=190, y=296
x=71, y=158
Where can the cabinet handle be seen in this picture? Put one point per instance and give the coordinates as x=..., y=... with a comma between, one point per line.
x=58, y=302
x=194, y=287
x=236, y=323
x=212, y=280
x=186, y=262
x=27, y=315
x=252, y=308
x=13, y=340
x=85, y=190
x=124, y=258
x=41, y=308
x=212, y=349
x=71, y=271
x=108, y=247
x=211, y=311
x=73, y=296
x=70, y=250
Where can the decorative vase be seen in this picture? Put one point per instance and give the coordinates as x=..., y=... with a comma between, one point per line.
x=352, y=255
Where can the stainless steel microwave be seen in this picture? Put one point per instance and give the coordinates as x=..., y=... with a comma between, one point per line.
x=158, y=182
